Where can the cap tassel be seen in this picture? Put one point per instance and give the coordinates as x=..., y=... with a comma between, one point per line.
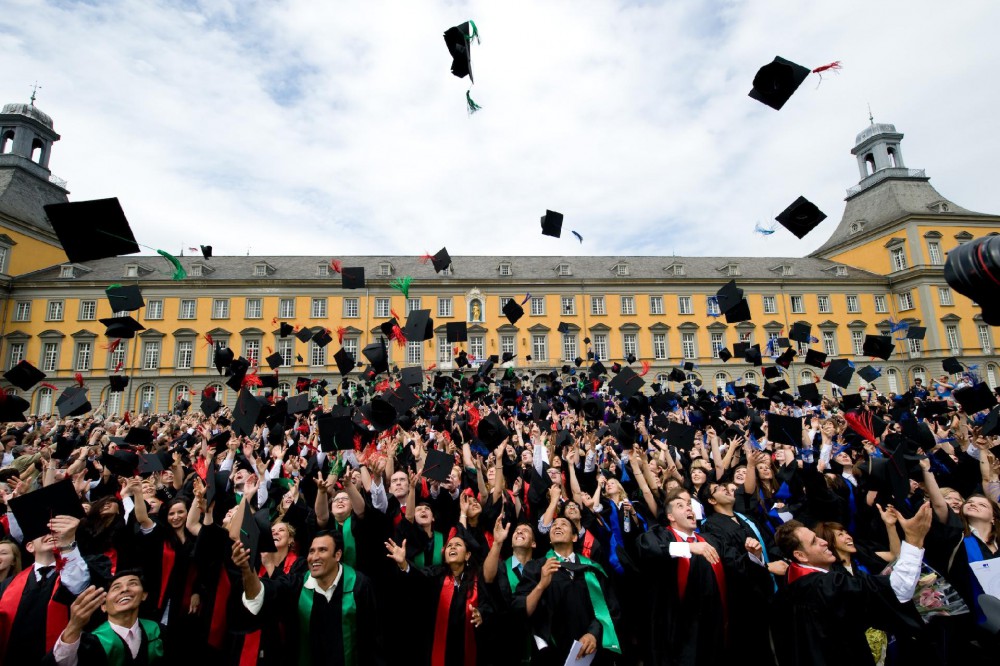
x=473, y=420
x=251, y=381
x=425, y=257
x=765, y=231
x=432, y=366
x=118, y=368
x=398, y=336
x=51, y=387
x=341, y=331
x=829, y=67
x=402, y=285
x=578, y=236
x=336, y=266
x=861, y=424
x=475, y=32
x=208, y=392
x=645, y=368
x=79, y=379
x=527, y=297
x=209, y=341
x=179, y=272
x=470, y=104
x=113, y=346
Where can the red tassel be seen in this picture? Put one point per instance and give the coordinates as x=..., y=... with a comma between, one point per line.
x=119, y=366
x=357, y=441
x=835, y=66
x=127, y=417
x=274, y=321
x=645, y=368
x=208, y=392
x=426, y=257
x=473, y=418
x=209, y=340
x=397, y=335
x=432, y=366
x=454, y=350
x=861, y=424
x=336, y=266
x=113, y=346
x=49, y=386
x=269, y=352
x=251, y=381
x=341, y=331
x=79, y=379
x=382, y=386
x=395, y=315
x=596, y=384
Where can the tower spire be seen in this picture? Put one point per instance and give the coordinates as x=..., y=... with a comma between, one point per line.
x=871, y=118
x=34, y=92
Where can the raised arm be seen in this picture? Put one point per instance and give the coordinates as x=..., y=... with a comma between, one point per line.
x=492, y=563
x=322, y=503
x=357, y=501
x=940, y=506
x=638, y=461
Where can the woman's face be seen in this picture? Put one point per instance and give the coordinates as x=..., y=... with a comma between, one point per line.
x=612, y=487
x=177, y=515
x=279, y=532
x=954, y=501
x=698, y=476
x=764, y=470
x=456, y=551
x=109, y=509
x=844, y=542
x=740, y=475
x=491, y=475
x=475, y=508
x=6, y=556
x=978, y=508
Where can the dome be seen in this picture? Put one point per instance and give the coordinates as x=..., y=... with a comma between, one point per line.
x=30, y=111
x=872, y=130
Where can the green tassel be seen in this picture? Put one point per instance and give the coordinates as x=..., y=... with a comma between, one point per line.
x=113, y=286
x=403, y=285
x=475, y=32
x=179, y=272
x=473, y=107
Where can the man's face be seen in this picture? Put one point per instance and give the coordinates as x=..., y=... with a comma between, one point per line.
x=680, y=514
x=572, y=511
x=322, y=559
x=124, y=596
x=341, y=505
x=423, y=515
x=554, y=476
x=812, y=550
x=562, y=531
x=523, y=537
x=399, y=485
x=724, y=494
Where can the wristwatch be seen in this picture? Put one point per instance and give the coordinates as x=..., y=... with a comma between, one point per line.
x=67, y=548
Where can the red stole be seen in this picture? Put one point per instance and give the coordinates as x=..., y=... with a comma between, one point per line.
x=217, y=625
x=441, y=622
x=796, y=571
x=112, y=554
x=251, y=641
x=166, y=569
x=56, y=614
x=588, y=544
x=684, y=568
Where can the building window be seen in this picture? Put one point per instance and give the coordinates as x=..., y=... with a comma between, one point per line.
x=539, y=347
x=628, y=305
x=951, y=333
x=934, y=252
x=750, y=376
x=630, y=344
x=318, y=308
x=717, y=344
x=351, y=346
x=147, y=398
x=915, y=346
x=732, y=270
x=660, y=346
x=477, y=346
x=597, y=305
x=506, y=344
x=251, y=351
x=446, y=307
x=858, y=342
x=656, y=305
x=16, y=354
x=196, y=271
x=898, y=259
x=88, y=310
x=411, y=305
x=787, y=271
x=991, y=375
x=985, y=339
x=151, y=355
x=712, y=306
x=687, y=345
x=351, y=310
x=746, y=336
x=906, y=301
x=54, y=312
x=443, y=349
x=22, y=311
x=770, y=305
x=317, y=355
x=563, y=269
x=621, y=270
x=384, y=269
x=797, y=305
x=824, y=304
x=260, y=270
x=116, y=359
x=880, y=304
x=772, y=341
x=920, y=373
x=187, y=310
x=841, y=271
x=893, y=378
x=220, y=308
x=4, y=252
x=567, y=305
x=569, y=347
x=504, y=300
x=44, y=400
x=684, y=305
x=285, y=348
x=50, y=356
x=414, y=353
x=286, y=308
x=84, y=356
x=382, y=307
x=66, y=272
x=852, y=304
x=600, y=346
x=829, y=343
x=505, y=270
x=154, y=309
x=185, y=354
x=537, y=305
x=255, y=308
x=944, y=296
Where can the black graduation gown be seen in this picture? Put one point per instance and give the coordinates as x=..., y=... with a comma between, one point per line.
x=91, y=653
x=507, y=636
x=821, y=618
x=682, y=631
x=26, y=642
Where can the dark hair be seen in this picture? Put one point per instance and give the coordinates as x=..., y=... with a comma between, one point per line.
x=786, y=539
x=336, y=535
x=827, y=531
x=121, y=573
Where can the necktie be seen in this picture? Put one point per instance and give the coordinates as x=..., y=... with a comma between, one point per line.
x=44, y=572
x=691, y=539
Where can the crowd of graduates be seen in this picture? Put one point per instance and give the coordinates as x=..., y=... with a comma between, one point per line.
x=504, y=522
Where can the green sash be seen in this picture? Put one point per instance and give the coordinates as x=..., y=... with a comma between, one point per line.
x=348, y=619
x=350, y=548
x=609, y=639
x=435, y=555
x=511, y=576
x=114, y=647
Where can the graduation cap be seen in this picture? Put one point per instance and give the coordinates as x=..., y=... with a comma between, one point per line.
x=121, y=327
x=725, y=355
x=419, y=326
x=255, y=534
x=878, y=346
x=352, y=278
x=810, y=392
x=800, y=332
x=952, y=366
x=815, y=358
x=456, y=331
x=335, y=432
x=786, y=358
x=784, y=429
x=380, y=413
x=206, y=251
x=513, y=311
x=740, y=348
x=285, y=329
x=210, y=406
x=73, y=402
x=459, y=42
x=771, y=372
x=441, y=260
x=12, y=409
x=298, y=357
x=124, y=297
x=95, y=229
x=507, y=357
x=729, y=296
x=552, y=224
x=150, y=463
x=492, y=431
x=298, y=403
x=774, y=387
x=245, y=413
x=680, y=435
x=24, y=375
x=304, y=334
x=739, y=312
x=991, y=426
x=402, y=399
x=322, y=337
x=776, y=81
x=412, y=376
x=677, y=375
x=626, y=382
x=869, y=374
x=852, y=401
x=139, y=436
x=753, y=356
x=223, y=358
x=975, y=398
x=34, y=510
x=916, y=332
x=438, y=465
x=597, y=369
x=839, y=372
x=274, y=361
x=801, y=217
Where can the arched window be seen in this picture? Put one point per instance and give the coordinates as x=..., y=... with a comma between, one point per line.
x=870, y=163
x=893, y=378
x=662, y=378
x=7, y=142
x=892, y=157
x=147, y=399
x=750, y=376
x=37, y=151
x=918, y=372
x=807, y=376
x=721, y=379
x=44, y=401
x=284, y=387
x=220, y=392
x=182, y=392
x=114, y=403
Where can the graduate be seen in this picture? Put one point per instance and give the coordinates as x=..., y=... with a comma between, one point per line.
x=124, y=638
x=510, y=635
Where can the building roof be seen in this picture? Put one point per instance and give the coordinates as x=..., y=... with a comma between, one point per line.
x=23, y=194
x=223, y=268
x=29, y=110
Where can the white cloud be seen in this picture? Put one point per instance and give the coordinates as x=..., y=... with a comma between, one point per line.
x=304, y=127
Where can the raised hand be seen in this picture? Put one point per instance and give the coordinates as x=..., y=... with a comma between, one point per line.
x=705, y=549
x=81, y=611
x=500, y=531
x=397, y=553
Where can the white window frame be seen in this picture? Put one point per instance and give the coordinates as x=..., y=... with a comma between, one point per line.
x=251, y=350
x=570, y=348
x=254, y=308
x=50, y=357
x=220, y=308
x=151, y=355
x=717, y=341
x=188, y=303
x=55, y=310
x=412, y=304
x=445, y=306
x=853, y=303
x=88, y=310
x=934, y=253
x=15, y=354
x=628, y=305
x=630, y=344
x=985, y=338
x=537, y=305
x=443, y=349
x=317, y=356
x=600, y=347
x=689, y=350
x=567, y=305
x=953, y=340
x=597, y=307
x=945, y=296
x=22, y=311
x=508, y=343
x=905, y=299
x=352, y=308
x=414, y=352
x=286, y=347
x=286, y=308
x=317, y=308
x=477, y=346
x=83, y=356
x=154, y=309
x=660, y=346
x=770, y=305
x=539, y=347
x=823, y=303
x=656, y=305
x=829, y=343
x=185, y=354
x=797, y=304
x=684, y=306
x=898, y=259
x=858, y=342
x=881, y=305
x=383, y=307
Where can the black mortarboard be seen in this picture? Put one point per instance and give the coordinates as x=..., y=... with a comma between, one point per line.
x=322, y=337
x=800, y=332
x=210, y=406
x=401, y=398
x=677, y=375
x=24, y=375
x=298, y=357
x=878, y=346
x=852, y=401
x=94, y=229
x=274, y=361
x=126, y=297
x=626, y=382
x=552, y=223
x=991, y=427
x=419, y=326
x=441, y=260
x=285, y=329
x=728, y=297
x=352, y=278
x=513, y=311
x=763, y=404
x=786, y=358
x=952, y=366
x=975, y=398
x=34, y=510
x=810, y=392
x=507, y=357
x=150, y=463
x=121, y=327
x=255, y=535
x=725, y=355
x=784, y=429
x=774, y=387
x=815, y=358
x=801, y=217
x=597, y=369
x=377, y=356
x=680, y=435
x=753, y=356
x=223, y=358
x=304, y=334
x=689, y=365
x=139, y=436
x=456, y=331
x=771, y=372
x=413, y=376
x=73, y=402
x=459, y=42
x=739, y=312
x=563, y=327
x=776, y=81
x=438, y=465
x=118, y=383
x=492, y=431
x=298, y=403
x=916, y=332
x=380, y=413
x=839, y=372
x=206, y=251
x=12, y=409
x=869, y=374
x=335, y=432
x=740, y=348
x=245, y=413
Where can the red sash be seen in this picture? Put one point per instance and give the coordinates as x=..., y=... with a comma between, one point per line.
x=112, y=554
x=166, y=569
x=441, y=622
x=56, y=614
x=588, y=544
x=217, y=626
x=251, y=642
x=796, y=571
x=684, y=568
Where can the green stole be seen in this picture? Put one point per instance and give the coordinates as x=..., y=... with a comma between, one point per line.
x=511, y=576
x=114, y=646
x=350, y=548
x=348, y=617
x=435, y=554
x=609, y=639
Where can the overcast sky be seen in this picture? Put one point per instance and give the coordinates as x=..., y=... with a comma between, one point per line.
x=332, y=128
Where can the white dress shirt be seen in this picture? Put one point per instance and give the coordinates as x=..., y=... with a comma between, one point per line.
x=905, y=572
x=254, y=605
x=65, y=654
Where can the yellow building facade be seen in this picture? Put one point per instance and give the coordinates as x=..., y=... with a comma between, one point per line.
x=883, y=263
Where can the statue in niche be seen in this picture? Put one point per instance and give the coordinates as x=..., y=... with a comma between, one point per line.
x=476, y=310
